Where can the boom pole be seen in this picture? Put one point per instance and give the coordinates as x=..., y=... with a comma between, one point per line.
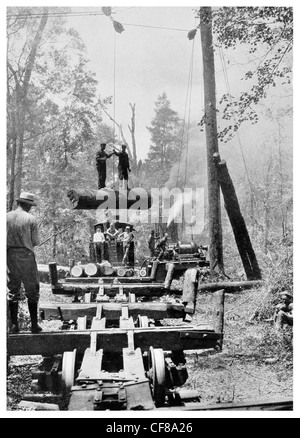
x=214, y=206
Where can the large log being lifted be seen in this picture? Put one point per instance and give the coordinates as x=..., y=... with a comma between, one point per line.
x=239, y=228
x=105, y=198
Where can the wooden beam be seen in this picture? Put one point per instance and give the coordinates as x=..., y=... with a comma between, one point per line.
x=276, y=404
x=112, y=340
x=229, y=286
x=111, y=311
x=152, y=289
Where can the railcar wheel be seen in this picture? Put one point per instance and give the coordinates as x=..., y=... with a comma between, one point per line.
x=157, y=375
x=68, y=370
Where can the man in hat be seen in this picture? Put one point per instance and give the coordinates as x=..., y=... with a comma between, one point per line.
x=284, y=311
x=98, y=240
x=101, y=158
x=123, y=166
x=126, y=237
x=22, y=237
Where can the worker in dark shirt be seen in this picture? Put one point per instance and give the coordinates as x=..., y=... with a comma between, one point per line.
x=22, y=237
x=123, y=166
x=101, y=158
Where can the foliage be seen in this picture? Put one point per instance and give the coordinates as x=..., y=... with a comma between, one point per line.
x=267, y=34
x=165, y=145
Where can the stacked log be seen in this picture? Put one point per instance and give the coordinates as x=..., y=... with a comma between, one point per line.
x=92, y=270
x=78, y=271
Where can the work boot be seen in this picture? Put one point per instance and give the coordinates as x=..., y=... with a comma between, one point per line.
x=33, y=311
x=13, y=309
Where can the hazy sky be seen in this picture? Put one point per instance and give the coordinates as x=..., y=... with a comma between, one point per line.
x=148, y=61
x=151, y=56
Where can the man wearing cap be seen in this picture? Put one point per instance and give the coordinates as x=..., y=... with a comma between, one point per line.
x=126, y=238
x=22, y=237
x=284, y=311
x=123, y=166
x=101, y=158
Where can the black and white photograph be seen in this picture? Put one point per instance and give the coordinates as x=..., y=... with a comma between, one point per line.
x=149, y=213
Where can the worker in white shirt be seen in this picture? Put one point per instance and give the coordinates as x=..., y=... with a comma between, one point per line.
x=98, y=241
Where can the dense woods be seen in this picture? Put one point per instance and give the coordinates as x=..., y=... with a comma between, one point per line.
x=55, y=121
x=59, y=110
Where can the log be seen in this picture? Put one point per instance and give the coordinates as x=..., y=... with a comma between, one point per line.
x=92, y=269
x=35, y=406
x=154, y=270
x=147, y=289
x=229, y=287
x=53, y=273
x=218, y=313
x=106, y=268
x=237, y=221
x=169, y=276
x=276, y=404
x=108, y=198
x=77, y=271
x=190, y=289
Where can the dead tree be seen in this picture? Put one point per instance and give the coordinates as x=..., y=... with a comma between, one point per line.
x=238, y=224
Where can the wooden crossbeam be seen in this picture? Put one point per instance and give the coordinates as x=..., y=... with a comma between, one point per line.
x=151, y=289
x=112, y=340
x=112, y=311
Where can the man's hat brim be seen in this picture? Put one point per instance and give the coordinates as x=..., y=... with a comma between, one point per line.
x=26, y=201
x=286, y=294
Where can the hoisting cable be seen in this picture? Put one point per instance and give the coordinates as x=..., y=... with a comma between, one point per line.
x=185, y=111
x=189, y=114
x=114, y=128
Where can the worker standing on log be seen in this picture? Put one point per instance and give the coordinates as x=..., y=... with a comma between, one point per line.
x=123, y=166
x=101, y=158
x=22, y=237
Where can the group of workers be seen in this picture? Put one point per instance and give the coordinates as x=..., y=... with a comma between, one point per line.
x=112, y=234
x=23, y=236
x=123, y=166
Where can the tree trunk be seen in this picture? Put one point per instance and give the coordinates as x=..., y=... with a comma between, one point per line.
x=214, y=210
x=239, y=228
x=22, y=93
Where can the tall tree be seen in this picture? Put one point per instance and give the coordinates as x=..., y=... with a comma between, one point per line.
x=165, y=141
x=20, y=73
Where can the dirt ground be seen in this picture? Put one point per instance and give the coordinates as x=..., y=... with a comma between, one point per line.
x=256, y=361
